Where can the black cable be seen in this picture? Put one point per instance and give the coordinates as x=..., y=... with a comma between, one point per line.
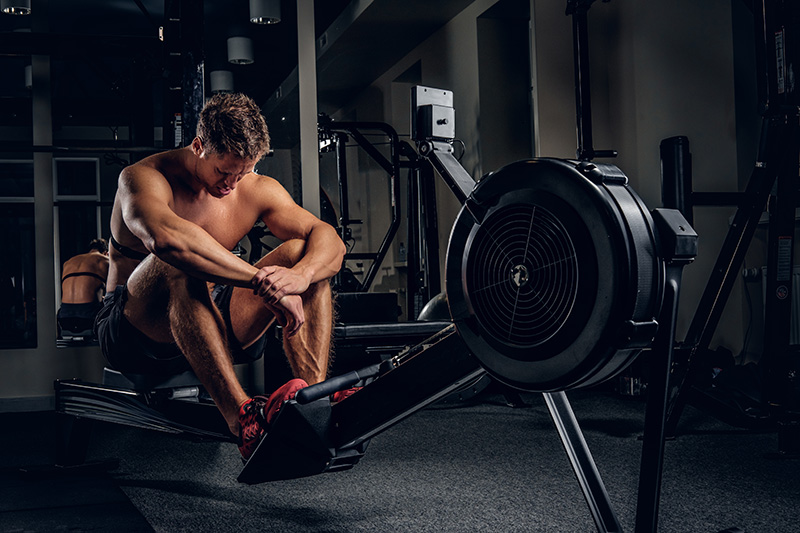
x=463, y=149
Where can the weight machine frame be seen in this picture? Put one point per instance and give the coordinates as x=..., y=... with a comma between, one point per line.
x=773, y=186
x=423, y=240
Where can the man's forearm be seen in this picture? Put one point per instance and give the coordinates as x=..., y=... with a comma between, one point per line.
x=198, y=254
x=323, y=255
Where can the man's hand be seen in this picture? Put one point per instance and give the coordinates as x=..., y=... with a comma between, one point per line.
x=273, y=283
x=289, y=313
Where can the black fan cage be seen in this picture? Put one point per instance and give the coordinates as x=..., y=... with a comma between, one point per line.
x=522, y=275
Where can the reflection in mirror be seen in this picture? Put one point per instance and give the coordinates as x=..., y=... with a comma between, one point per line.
x=81, y=254
x=17, y=269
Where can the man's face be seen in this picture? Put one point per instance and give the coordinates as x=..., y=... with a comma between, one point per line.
x=221, y=173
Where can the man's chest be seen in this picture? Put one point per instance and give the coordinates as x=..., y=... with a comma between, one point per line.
x=226, y=219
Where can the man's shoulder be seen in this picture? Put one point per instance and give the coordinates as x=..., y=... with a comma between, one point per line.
x=153, y=175
x=161, y=163
x=262, y=181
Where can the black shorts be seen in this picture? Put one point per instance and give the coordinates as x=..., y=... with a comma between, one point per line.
x=77, y=317
x=129, y=350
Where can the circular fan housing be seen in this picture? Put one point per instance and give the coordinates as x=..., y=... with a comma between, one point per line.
x=553, y=280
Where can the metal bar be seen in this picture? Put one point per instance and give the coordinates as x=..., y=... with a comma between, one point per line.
x=652, y=461
x=583, y=103
x=739, y=236
x=339, y=140
x=373, y=152
x=392, y=167
x=414, y=244
x=582, y=462
x=729, y=262
x=430, y=241
x=372, y=256
x=457, y=178
x=339, y=143
x=676, y=175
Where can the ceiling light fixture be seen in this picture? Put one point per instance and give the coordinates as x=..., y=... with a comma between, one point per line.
x=16, y=7
x=240, y=50
x=265, y=11
x=221, y=81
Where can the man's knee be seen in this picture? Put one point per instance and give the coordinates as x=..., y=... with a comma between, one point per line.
x=318, y=293
x=163, y=280
x=286, y=255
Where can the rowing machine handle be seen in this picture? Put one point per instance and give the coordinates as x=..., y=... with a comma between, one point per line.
x=334, y=384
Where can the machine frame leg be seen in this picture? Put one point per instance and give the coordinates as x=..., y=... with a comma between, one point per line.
x=592, y=486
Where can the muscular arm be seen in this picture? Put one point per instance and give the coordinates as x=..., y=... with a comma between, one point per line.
x=323, y=253
x=145, y=198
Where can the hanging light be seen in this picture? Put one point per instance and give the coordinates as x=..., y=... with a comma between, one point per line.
x=240, y=50
x=221, y=81
x=16, y=7
x=265, y=11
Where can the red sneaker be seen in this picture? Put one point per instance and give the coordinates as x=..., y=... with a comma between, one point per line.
x=252, y=425
x=282, y=395
x=257, y=413
x=340, y=395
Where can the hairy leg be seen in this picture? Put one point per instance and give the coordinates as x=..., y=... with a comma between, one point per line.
x=308, y=351
x=167, y=305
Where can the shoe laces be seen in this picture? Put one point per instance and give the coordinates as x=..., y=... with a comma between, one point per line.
x=252, y=421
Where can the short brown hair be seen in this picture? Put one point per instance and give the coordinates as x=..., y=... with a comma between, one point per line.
x=232, y=123
x=98, y=244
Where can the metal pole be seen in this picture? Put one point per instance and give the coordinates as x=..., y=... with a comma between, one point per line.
x=592, y=486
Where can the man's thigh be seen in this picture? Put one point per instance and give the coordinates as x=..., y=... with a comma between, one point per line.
x=150, y=288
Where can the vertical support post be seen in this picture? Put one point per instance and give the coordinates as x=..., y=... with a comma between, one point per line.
x=430, y=236
x=594, y=490
x=656, y=412
x=778, y=369
x=340, y=142
x=583, y=101
x=42, y=117
x=678, y=248
x=413, y=246
x=676, y=175
x=307, y=88
x=340, y=145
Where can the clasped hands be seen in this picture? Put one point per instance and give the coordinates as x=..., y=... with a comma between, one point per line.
x=280, y=289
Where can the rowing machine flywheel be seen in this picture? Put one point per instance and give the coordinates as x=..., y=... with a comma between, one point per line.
x=553, y=278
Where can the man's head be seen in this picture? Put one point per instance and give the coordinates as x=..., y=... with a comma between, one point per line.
x=99, y=245
x=233, y=124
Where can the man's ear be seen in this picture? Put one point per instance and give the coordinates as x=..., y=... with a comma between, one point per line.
x=197, y=146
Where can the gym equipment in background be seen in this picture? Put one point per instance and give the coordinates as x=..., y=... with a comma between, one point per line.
x=421, y=239
x=772, y=187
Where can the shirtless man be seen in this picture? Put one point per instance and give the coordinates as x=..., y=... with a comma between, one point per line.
x=83, y=281
x=178, y=297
